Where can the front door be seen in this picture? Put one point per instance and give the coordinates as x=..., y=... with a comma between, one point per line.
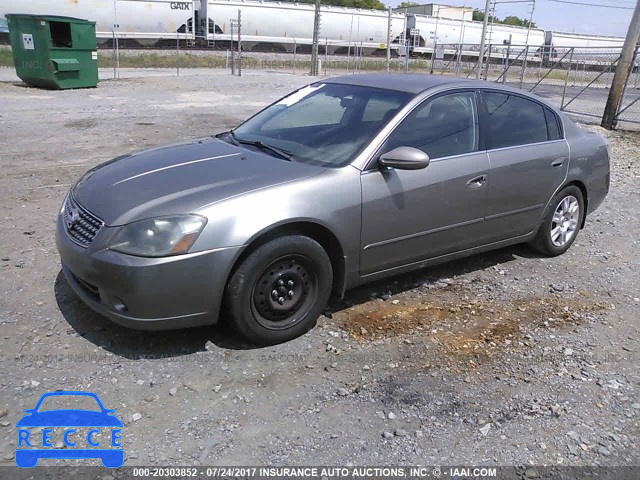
x=413, y=215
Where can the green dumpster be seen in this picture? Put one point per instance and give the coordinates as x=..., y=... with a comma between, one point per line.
x=54, y=52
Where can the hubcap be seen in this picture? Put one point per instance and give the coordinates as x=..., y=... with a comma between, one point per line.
x=565, y=221
x=284, y=291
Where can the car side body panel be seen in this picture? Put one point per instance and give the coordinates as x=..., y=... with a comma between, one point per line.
x=521, y=182
x=413, y=215
x=589, y=164
x=385, y=222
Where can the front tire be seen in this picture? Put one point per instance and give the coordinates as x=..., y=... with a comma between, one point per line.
x=561, y=223
x=279, y=291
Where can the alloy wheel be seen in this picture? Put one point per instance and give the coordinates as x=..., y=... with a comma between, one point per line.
x=564, y=223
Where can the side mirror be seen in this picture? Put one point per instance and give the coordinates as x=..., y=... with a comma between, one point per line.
x=404, y=158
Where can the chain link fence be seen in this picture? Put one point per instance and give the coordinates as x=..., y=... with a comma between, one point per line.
x=577, y=80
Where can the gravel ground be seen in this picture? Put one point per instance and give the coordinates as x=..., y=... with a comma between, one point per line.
x=500, y=359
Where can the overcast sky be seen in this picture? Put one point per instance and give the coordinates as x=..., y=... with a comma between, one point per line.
x=561, y=17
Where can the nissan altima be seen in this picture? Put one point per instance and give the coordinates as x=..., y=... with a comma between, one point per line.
x=344, y=181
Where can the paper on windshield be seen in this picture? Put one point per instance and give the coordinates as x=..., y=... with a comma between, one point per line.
x=299, y=95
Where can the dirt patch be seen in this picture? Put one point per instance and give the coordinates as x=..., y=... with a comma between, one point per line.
x=81, y=124
x=468, y=326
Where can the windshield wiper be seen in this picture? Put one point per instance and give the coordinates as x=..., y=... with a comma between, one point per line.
x=262, y=146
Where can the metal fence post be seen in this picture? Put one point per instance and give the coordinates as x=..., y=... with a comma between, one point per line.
x=239, y=43
x=506, y=69
x=178, y=54
x=487, y=62
x=316, y=38
x=233, y=52
x=326, y=55
x=433, y=56
x=115, y=73
x=485, y=22
x=566, y=79
x=389, y=40
x=116, y=44
x=524, y=65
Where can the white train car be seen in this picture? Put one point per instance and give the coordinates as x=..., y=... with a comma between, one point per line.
x=582, y=49
x=143, y=20
x=284, y=24
x=444, y=31
x=563, y=41
x=500, y=34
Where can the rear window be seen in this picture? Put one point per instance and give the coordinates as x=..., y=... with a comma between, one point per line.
x=514, y=120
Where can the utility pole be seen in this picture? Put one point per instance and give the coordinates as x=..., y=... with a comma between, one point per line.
x=625, y=63
x=484, y=35
x=316, y=39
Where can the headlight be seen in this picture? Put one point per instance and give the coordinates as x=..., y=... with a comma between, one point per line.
x=159, y=237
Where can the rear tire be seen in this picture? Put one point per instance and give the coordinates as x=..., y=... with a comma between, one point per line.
x=279, y=291
x=562, y=222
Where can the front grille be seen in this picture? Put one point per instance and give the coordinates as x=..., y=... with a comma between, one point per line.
x=81, y=225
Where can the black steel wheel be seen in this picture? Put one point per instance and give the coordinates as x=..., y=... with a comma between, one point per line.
x=286, y=287
x=278, y=292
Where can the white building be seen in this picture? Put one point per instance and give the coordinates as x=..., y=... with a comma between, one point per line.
x=439, y=10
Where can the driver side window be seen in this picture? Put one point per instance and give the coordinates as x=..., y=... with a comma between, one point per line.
x=442, y=127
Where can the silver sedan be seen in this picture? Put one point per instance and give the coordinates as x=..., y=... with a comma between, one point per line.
x=342, y=182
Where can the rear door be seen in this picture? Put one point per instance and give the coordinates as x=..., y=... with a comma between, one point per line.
x=529, y=161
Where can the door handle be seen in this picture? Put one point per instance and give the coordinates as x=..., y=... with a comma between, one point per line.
x=477, y=182
x=557, y=162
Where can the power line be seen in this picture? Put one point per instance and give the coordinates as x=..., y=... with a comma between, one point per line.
x=591, y=4
x=616, y=2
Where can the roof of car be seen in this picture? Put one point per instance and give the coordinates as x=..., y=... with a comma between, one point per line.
x=411, y=83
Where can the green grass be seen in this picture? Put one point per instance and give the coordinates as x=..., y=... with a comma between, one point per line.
x=286, y=64
x=186, y=60
x=6, y=57
x=153, y=60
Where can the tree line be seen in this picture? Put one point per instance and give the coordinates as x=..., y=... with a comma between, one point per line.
x=378, y=5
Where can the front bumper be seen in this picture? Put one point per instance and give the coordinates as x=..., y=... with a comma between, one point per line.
x=147, y=293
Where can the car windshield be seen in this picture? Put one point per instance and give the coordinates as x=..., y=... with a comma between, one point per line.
x=69, y=402
x=322, y=124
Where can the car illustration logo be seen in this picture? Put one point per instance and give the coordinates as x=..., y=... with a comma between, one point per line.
x=82, y=432
x=73, y=217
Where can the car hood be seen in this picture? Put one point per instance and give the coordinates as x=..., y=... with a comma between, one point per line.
x=179, y=179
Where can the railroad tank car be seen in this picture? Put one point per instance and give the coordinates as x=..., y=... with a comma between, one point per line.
x=281, y=25
x=588, y=49
x=144, y=20
x=560, y=40
x=284, y=24
x=449, y=32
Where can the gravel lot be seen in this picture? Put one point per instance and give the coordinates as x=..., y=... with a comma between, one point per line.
x=500, y=359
